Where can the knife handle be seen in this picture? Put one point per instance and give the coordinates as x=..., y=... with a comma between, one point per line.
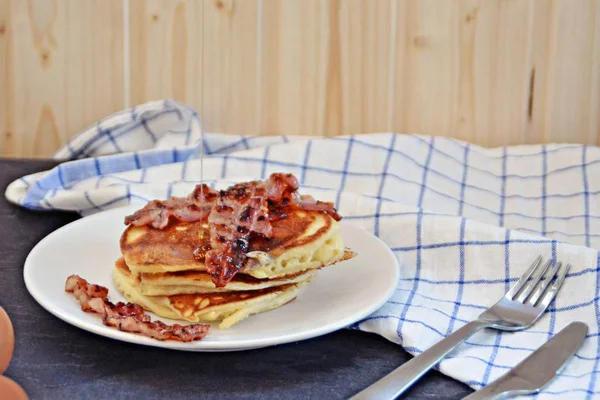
x=403, y=377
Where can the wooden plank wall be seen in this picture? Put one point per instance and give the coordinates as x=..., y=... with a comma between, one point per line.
x=61, y=69
x=493, y=72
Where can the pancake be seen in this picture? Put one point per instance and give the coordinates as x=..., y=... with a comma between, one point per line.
x=227, y=307
x=186, y=282
x=305, y=240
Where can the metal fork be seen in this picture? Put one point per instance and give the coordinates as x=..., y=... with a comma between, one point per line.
x=522, y=305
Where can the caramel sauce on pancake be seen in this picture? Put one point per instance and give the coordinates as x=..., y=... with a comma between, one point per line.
x=198, y=302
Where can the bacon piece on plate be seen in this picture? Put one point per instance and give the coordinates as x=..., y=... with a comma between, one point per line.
x=129, y=317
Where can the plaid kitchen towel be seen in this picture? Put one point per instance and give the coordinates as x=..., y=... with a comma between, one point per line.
x=465, y=221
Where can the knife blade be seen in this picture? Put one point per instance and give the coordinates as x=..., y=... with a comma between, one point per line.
x=538, y=369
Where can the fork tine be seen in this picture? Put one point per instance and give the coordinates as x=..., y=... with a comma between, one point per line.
x=517, y=286
x=554, y=288
x=536, y=279
x=544, y=285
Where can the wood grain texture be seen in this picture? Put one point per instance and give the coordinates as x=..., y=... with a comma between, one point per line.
x=571, y=72
x=231, y=54
x=294, y=72
x=502, y=68
x=479, y=70
x=367, y=45
x=493, y=72
x=166, y=50
x=62, y=70
x=426, y=67
x=7, y=126
x=462, y=70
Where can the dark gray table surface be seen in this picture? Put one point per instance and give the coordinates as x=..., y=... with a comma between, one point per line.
x=54, y=360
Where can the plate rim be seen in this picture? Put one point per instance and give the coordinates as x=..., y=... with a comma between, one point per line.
x=202, y=345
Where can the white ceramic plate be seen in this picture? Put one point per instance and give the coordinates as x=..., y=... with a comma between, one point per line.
x=338, y=296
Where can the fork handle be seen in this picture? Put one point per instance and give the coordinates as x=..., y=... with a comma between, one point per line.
x=400, y=379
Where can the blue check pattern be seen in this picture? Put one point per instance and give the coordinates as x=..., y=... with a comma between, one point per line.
x=464, y=221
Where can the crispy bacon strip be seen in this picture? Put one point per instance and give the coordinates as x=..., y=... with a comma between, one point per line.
x=233, y=215
x=157, y=213
x=308, y=203
x=129, y=317
x=239, y=211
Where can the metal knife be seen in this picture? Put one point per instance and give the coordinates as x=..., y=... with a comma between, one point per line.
x=539, y=369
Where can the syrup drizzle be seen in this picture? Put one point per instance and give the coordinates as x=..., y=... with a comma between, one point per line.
x=201, y=160
x=202, y=113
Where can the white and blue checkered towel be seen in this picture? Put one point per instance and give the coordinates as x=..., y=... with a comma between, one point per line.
x=466, y=221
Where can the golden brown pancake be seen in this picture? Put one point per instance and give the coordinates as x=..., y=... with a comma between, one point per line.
x=186, y=282
x=227, y=307
x=303, y=241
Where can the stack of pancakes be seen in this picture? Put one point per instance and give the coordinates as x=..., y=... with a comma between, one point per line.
x=163, y=270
